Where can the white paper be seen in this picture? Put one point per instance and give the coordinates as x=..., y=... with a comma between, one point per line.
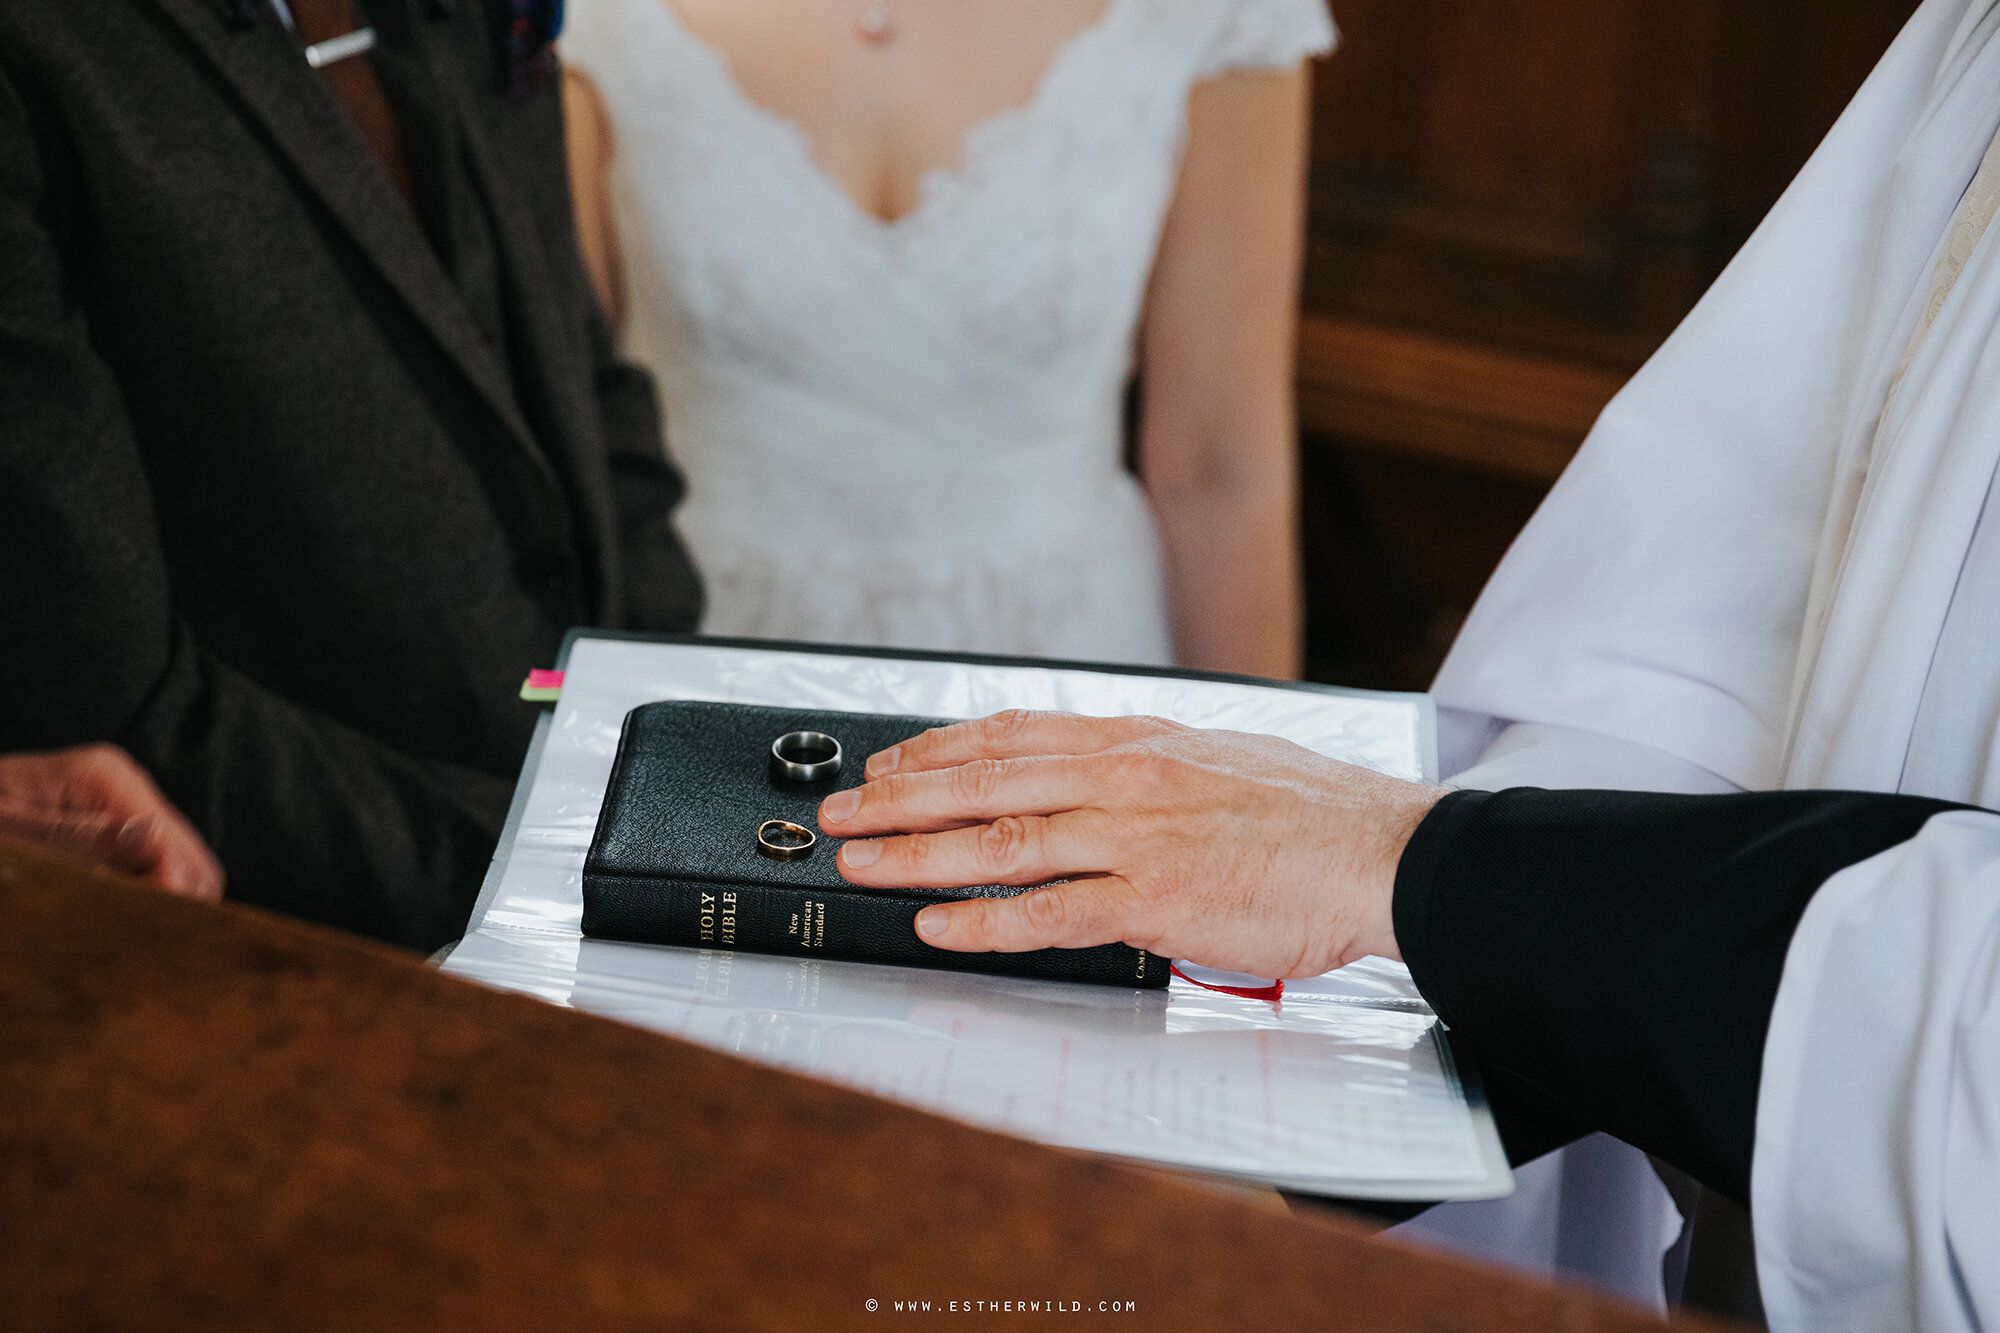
x=1345, y=1087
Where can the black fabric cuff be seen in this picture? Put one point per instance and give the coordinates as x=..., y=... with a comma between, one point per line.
x=1414, y=910
x=1618, y=953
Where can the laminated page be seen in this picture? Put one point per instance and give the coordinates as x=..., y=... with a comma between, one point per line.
x=1346, y=1086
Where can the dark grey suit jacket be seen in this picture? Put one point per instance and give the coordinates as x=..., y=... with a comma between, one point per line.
x=274, y=514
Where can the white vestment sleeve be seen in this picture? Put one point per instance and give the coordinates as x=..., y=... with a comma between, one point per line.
x=1876, y=1179
x=1537, y=754
x=1660, y=594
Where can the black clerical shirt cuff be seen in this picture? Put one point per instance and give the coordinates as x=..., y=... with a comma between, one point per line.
x=1615, y=955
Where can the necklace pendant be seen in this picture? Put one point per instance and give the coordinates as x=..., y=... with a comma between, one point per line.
x=874, y=23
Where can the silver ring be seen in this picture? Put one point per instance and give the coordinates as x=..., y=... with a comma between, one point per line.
x=805, y=756
x=782, y=840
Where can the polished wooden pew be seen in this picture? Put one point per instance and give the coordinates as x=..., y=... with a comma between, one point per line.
x=219, y=1119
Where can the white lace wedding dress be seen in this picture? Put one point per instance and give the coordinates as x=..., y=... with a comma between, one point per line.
x=909, y=433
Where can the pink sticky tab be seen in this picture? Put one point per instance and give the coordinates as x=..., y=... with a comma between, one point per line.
x=542, y=687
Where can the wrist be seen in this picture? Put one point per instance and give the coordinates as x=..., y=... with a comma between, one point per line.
x=1400, y=819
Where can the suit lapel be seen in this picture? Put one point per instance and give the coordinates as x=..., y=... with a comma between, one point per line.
x=521, y=254
x=308, y=128
x=547, y=344
x=548, y=340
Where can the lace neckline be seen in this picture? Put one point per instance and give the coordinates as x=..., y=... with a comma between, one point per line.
x=937, y=185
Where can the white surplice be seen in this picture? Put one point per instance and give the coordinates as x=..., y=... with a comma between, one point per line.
x=1877, y=1169
x=1765, y=568
x=1876, y=1177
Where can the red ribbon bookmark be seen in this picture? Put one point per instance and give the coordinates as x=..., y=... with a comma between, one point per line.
x=1273, y=992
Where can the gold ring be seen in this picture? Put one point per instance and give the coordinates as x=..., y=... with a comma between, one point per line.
x=782, y=840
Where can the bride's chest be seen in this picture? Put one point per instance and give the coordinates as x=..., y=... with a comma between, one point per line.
x=1035, y=244
x=887, y=98
x=1046, y=247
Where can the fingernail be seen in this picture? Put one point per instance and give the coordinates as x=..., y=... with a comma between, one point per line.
x=840, y=806
x=885, y=762
x=861, y=855
x=932, y=923
x=132, y=835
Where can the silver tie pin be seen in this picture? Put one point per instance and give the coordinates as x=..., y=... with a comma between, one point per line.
x=335, y=49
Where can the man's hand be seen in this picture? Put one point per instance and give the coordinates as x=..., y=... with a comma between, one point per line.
x=1240, y=852
x=95, y=803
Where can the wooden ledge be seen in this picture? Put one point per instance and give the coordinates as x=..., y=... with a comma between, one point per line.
x=1417, y=395
x=218, y=1119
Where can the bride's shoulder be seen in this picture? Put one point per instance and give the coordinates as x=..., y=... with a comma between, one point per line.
x=1245, y=34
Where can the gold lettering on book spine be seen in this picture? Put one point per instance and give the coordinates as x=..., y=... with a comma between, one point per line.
x=708, y=918
x=810, y=927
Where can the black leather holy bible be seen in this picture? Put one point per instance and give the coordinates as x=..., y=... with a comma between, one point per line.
x=676, y=857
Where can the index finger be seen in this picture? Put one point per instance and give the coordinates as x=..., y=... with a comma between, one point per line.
x=1015, y=734
x=82, y=834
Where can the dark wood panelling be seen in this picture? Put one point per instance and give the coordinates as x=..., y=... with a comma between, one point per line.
x=1568, y=173
x=1786, y=68
x=1513, y=202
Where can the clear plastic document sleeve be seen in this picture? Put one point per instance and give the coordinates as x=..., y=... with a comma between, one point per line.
x=1346, y=1087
